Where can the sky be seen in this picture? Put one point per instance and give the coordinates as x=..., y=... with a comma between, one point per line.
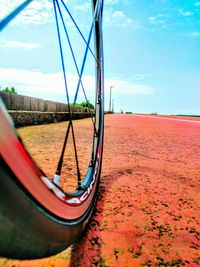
x=151, y=53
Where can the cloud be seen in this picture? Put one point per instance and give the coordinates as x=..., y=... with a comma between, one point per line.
x=37, y=13
x=157, y=22
x=117, y=18
x=128, y=87
x=111, y=2
x=197, y=4
x=140, y=76
x=16, y=44
x=83, y=6
x=185, y=13
x=77, y=5
x=195, y=34
x=51, y=85
x=38, y=83
x=40, y=12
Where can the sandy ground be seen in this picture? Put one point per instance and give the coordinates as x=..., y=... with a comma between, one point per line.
x=148, y=210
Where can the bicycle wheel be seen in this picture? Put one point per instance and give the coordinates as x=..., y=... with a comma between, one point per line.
x=38, y=218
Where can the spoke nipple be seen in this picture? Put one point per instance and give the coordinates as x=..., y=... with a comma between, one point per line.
x=56, y=179
x=80, y=187
x=91, y=163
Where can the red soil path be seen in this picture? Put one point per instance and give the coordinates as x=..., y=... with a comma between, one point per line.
x=148, y=211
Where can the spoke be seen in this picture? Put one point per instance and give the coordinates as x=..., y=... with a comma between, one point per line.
x=13, y=14
x=77, y=27
x=60, y=163
x=61, y=54
x=76, y=65
x=76, y=156
x=86, y=52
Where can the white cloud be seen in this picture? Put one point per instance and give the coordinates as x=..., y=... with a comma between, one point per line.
x=117, y=18
x=51, y=86
x=41, y=12
x=16, y=44
x=185, y=13
x=34, y=82
x=154, y=20
x=83, y=6
x=86, y=5
x=37, y=13
x=197, y=4
x=195, y=34
x=128, y=87
x=111, y=2
x=118, y=14
x=157, y=22
x=140, y=76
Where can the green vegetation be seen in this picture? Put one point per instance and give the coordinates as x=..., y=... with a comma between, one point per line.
x=129, y=112
x=182, y=115
x=86, y=104
x=8, y=90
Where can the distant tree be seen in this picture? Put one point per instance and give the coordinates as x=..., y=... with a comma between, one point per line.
x=87, y=104
x=129, y=112
x=9, y=90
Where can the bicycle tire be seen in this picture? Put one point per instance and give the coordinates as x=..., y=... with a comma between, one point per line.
x=37, y=219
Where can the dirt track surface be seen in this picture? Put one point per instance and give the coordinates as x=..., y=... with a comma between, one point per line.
x=148, y=210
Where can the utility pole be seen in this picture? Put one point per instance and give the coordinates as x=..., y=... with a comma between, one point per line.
x=110, y=98
x=113, y=105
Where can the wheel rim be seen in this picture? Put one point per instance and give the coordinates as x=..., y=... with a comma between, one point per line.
x=85, y=192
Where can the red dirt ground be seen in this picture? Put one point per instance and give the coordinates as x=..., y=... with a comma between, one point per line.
x=148, y=209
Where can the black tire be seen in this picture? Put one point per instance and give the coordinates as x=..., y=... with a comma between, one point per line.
x=28, y=227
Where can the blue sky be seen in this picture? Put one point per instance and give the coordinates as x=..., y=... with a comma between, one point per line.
x=151, y=48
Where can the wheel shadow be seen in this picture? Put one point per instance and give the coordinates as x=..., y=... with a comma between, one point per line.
x=87, y=250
